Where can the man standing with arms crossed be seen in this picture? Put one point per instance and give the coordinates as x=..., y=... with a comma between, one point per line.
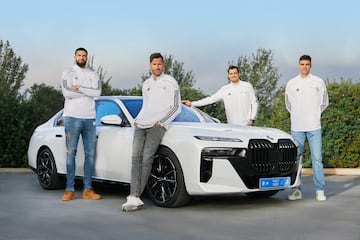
x=79, y=86
x=306, y=98
x=161, y=104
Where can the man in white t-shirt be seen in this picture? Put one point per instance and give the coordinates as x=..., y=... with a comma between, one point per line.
x=161, y=104
x=306, y=98
x=239, y=99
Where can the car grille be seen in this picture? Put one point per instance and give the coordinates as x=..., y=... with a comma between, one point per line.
x=261, y=159
x=265, y=156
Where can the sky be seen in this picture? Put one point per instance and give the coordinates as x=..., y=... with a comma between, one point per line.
x=204, y=35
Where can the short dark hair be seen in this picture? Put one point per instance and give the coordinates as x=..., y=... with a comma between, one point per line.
x=81, y=49
x=233, y=67
x=305, y=57
x=156, y=55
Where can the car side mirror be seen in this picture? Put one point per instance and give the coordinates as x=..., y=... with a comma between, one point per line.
x=112, y=119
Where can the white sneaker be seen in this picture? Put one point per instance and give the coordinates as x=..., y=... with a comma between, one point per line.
x=132, y=204
x=320, y=195
x=295, y=194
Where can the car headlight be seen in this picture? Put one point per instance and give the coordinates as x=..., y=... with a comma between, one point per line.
x=221, y=139
x=224, y=152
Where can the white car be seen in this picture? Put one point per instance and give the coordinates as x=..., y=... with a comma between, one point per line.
x=198, y=155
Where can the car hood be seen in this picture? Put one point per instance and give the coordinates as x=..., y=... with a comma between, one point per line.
x=233, y=131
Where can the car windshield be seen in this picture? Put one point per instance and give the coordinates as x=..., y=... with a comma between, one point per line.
x=187, y=114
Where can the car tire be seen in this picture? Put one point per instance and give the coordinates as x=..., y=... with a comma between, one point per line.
x=166, y=186
x=46, y=170
x=262, y=194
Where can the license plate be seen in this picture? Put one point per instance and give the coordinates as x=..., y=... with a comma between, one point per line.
x=276, y=182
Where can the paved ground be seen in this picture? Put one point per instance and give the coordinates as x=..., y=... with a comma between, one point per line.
x=29, y=212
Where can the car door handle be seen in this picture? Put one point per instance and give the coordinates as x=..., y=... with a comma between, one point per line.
x=59, y=135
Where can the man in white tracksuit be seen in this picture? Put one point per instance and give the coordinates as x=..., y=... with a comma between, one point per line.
x=239, y=98
x=80, y=85
x=306, y=98
x=161, y=104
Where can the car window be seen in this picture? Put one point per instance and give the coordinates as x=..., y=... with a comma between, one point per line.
x=186, y=115
x=206, y=117
x=106, y=107
x=133, y=106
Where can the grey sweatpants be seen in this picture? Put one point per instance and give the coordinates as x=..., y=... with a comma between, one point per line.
x=145, y=143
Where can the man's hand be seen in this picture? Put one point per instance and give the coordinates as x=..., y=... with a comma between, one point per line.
x=75, y=87
x=250, y=122
x=186, y=102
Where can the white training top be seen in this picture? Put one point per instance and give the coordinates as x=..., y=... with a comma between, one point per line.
x=81, y=103
x=305, y=99
x=239, y=99
x=161, y=102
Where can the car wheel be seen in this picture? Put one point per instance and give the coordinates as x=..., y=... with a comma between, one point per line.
x=166, y=186
x=46, y=169
x=262, y=194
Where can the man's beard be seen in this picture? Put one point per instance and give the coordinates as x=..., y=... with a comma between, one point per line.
x=81, y=64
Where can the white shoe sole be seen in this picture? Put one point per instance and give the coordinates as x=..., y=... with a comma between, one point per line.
x=294, y=199
x=130, y=208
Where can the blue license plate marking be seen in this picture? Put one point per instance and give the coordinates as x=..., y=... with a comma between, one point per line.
x=276, y=182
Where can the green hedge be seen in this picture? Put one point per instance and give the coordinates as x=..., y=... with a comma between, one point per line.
x=341, y=126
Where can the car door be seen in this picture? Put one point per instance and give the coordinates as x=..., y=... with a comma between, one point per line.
x=114, y=144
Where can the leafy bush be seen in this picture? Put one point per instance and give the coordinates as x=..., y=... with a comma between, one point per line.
x=341, y=125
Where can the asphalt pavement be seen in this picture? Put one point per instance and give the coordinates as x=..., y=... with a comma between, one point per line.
x=29, y=212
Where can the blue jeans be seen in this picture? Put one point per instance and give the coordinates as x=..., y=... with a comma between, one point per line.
x=315, y=143
x=145, y=144
x=74, y=127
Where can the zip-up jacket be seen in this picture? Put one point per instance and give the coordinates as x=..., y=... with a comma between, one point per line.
x=161, y=101
x=239, y=99
x=81, y=103
x=305, y=99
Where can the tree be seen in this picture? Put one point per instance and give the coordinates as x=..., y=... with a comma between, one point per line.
x=135, y=91
x=279, y=117
x=13, y=123
x=260, y=71
x=106, y=88
x=12, y=70
x=43, y=102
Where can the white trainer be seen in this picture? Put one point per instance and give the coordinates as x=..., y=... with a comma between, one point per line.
x=295, y=194
x=320, y=195
x=132, y=204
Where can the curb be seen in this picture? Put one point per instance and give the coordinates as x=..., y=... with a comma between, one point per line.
x=15, y=170
x=305, y=171
x=335, y=171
